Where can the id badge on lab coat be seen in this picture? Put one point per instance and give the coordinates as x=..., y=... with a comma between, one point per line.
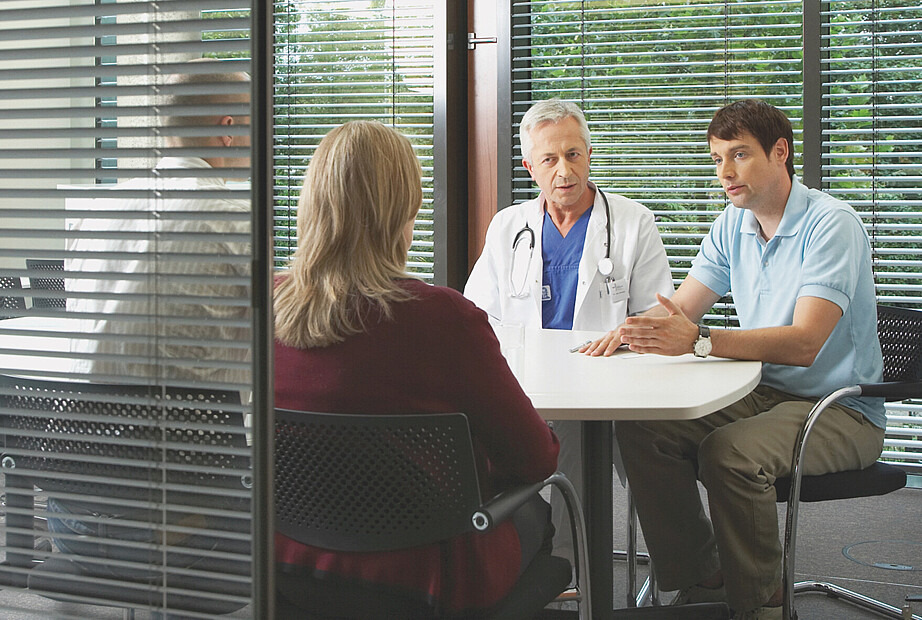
x=615, y=290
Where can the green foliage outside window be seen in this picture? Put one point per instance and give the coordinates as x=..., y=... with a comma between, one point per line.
x=650, y=74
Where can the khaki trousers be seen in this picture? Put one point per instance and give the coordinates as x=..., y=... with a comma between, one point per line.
x=737, y=453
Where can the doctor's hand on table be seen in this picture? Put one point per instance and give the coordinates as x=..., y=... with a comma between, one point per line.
x=663, y=333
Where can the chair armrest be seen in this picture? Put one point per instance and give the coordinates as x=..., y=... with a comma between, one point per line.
x=893, y=390
x=503, y=505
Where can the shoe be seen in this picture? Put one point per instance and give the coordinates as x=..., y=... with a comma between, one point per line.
x=700, y=594
x=761, y=613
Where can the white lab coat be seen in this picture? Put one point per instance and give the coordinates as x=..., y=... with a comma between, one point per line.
x=640, y=266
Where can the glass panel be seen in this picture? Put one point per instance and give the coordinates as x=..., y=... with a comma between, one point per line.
x=339, y=61
x=872, y=119
x=125, y=368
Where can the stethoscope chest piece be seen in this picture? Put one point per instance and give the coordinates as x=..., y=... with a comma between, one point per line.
x=606, y=266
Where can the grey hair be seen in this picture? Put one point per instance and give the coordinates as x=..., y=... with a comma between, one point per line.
x=550, y=111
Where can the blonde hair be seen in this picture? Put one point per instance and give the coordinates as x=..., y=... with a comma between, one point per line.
x=362, y=188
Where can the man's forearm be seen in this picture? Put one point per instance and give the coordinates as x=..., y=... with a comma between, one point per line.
x=787, y=345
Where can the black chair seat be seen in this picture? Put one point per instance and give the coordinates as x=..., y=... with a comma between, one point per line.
x=11, y=302
x=323, y=598
x=694, y=611
x=48, y=283
x=543, y=580
x=91, y=446
x=878, y=479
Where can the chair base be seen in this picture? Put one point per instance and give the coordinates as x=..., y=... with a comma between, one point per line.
x=851, y=597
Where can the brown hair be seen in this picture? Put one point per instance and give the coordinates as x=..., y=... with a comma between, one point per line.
x=764, y=121
x=194, y=91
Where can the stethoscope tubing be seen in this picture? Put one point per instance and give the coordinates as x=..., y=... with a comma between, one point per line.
x=605, y=264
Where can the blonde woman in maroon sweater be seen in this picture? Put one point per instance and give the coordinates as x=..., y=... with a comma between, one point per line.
x=356, y=334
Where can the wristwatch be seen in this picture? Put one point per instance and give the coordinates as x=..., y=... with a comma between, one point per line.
x=703, y=343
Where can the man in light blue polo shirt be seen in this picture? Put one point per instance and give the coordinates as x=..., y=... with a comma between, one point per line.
x=799, y=265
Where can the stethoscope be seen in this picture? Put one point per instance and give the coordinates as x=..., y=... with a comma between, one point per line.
x=520, y=292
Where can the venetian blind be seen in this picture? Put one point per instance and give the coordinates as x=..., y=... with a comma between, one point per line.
x=871, y=58
x=338, y=61
x=649, y=76
x=125, y=359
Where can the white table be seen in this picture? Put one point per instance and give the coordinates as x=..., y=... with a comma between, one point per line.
x=625, y=386
x=37, y=346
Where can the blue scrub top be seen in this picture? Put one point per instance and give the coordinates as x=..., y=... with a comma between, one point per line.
x=561, y=256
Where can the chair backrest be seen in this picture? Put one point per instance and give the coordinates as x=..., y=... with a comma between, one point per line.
x=124, y=441
x=11, y=302
x=373, y=482
x=900, y=333
x=48, y=283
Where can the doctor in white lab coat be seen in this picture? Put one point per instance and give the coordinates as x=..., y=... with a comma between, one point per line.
x=560, y=261
x=508, y=285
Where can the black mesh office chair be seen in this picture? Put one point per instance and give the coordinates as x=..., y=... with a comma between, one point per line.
x=11, y=298
x=372, y=483
x=105, y=446
x=900, y=332
x=49, y=283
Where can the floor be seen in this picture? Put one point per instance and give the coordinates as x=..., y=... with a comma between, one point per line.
x=873, y=546
x=870, y=545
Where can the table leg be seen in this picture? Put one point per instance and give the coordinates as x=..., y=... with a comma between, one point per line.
x=631, y=551
x=597, y=499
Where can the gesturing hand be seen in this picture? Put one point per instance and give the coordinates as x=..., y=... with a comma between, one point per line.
x=673, y=334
